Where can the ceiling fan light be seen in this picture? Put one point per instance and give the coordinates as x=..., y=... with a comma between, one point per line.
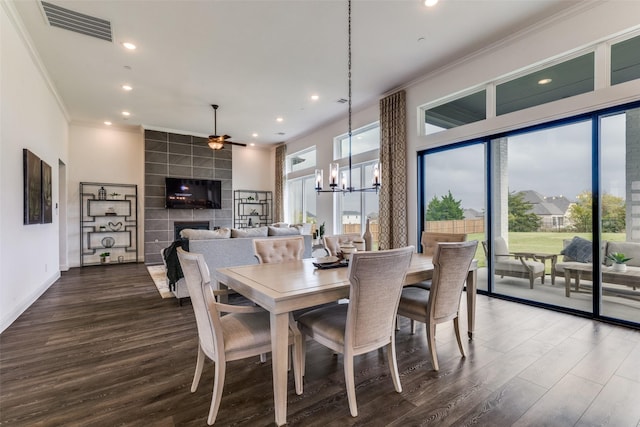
x=215, y=145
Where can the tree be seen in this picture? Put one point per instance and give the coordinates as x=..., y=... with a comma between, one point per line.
x=520, y=216
x=447, y=208
x=613, y=213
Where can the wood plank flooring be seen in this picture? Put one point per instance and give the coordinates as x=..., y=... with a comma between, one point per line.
x=101, y=348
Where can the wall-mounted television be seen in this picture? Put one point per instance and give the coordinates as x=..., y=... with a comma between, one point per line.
x=192, y=193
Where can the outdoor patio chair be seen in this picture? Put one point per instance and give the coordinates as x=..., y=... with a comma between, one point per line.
x=508, y=264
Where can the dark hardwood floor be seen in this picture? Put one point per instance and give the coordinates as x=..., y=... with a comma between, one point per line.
x=101, y=348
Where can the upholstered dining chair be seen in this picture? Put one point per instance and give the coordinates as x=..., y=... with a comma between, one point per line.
x=429, y=241
x=451, y=262
x=275, y=250
x=367, y=322
x=244, y=332
x=332, y=243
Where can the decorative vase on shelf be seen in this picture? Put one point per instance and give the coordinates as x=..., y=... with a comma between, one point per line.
x=368, y=239
x=102, y=194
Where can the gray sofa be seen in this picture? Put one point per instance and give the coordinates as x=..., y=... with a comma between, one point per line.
x=230, y=248
x=630, y=249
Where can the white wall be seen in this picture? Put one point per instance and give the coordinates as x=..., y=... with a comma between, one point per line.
x=102, y=154
x=253, y=168
x=578, y=29
x=31, y=118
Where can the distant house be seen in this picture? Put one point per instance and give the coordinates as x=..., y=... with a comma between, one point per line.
x=472, y=214
x=351, y=217
x=552, y=210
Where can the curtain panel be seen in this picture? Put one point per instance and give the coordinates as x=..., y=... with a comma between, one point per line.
x=393, y=161
x=278, y=208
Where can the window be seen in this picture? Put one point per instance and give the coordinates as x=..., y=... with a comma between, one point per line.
x=625, y=61
x=301, y=160
x=458, y=112
x=363, y=140
x=301, y=200
x=559, y=81
x=354, y=208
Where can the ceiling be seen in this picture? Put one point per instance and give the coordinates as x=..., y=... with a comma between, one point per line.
x=258, y=60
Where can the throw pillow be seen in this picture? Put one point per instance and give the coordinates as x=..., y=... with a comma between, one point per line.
x=191, y=234
x=249, y=232
x=579, y=249
x=280, y=231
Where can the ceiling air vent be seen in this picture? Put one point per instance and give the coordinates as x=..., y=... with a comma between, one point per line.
x=77, y=22
x=342, y=101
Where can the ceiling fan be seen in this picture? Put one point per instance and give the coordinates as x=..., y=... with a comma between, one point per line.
x=216, y=142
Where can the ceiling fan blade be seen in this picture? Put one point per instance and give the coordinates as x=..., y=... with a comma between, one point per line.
x=241, y=144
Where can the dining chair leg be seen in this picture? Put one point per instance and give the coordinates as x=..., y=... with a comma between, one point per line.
x=456, y=328
x=413, y=327
x=431, y=339
x=303, y=353
x=198, y=373
x=218, y=384
x=297, y=354
x=263, y=357
x=349, y=380
x=393, y=365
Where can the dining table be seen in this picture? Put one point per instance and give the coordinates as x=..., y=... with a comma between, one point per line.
x=283, y=288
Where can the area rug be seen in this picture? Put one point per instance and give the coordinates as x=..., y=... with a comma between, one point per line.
x=159, y=275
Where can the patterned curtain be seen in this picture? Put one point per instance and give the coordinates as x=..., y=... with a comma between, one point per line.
x=393, y=162
x=278, y=209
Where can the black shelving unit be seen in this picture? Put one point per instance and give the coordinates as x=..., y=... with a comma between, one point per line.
x=108, y=222
x=252, y=208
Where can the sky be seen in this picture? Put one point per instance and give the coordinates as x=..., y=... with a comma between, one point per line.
x=553, y=162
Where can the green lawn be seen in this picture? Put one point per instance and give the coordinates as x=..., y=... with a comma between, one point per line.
x=550, y=242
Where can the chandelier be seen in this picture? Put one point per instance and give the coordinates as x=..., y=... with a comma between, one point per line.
x=338, y=183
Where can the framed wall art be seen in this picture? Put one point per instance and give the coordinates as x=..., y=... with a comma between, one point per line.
x=47, y=195
x=32, y=187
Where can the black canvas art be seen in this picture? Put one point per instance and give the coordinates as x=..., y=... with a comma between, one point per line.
x=47, y=195
x=32, y=187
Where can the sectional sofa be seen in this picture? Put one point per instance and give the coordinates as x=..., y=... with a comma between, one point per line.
x=232, y=247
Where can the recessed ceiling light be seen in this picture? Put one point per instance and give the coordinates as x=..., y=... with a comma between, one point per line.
x=255, y=135
x=108, y=123
x=544, y=81
x=279, y=119
x=129, y=46
x=127, y=87
x=430, y=3
x=126, y=113
x=253, y=144
x=314, y=97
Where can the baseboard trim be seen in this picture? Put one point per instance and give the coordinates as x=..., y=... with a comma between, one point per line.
x=9, y=318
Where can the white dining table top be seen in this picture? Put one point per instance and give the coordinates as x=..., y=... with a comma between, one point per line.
x=299, y=284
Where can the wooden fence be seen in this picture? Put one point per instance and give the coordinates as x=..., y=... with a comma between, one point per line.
x=374, y=227
x=467, y=226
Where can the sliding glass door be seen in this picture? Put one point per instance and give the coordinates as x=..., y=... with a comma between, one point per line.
x=620, y=213
x=453, y=196
x=541, y=186
x=550, y=205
